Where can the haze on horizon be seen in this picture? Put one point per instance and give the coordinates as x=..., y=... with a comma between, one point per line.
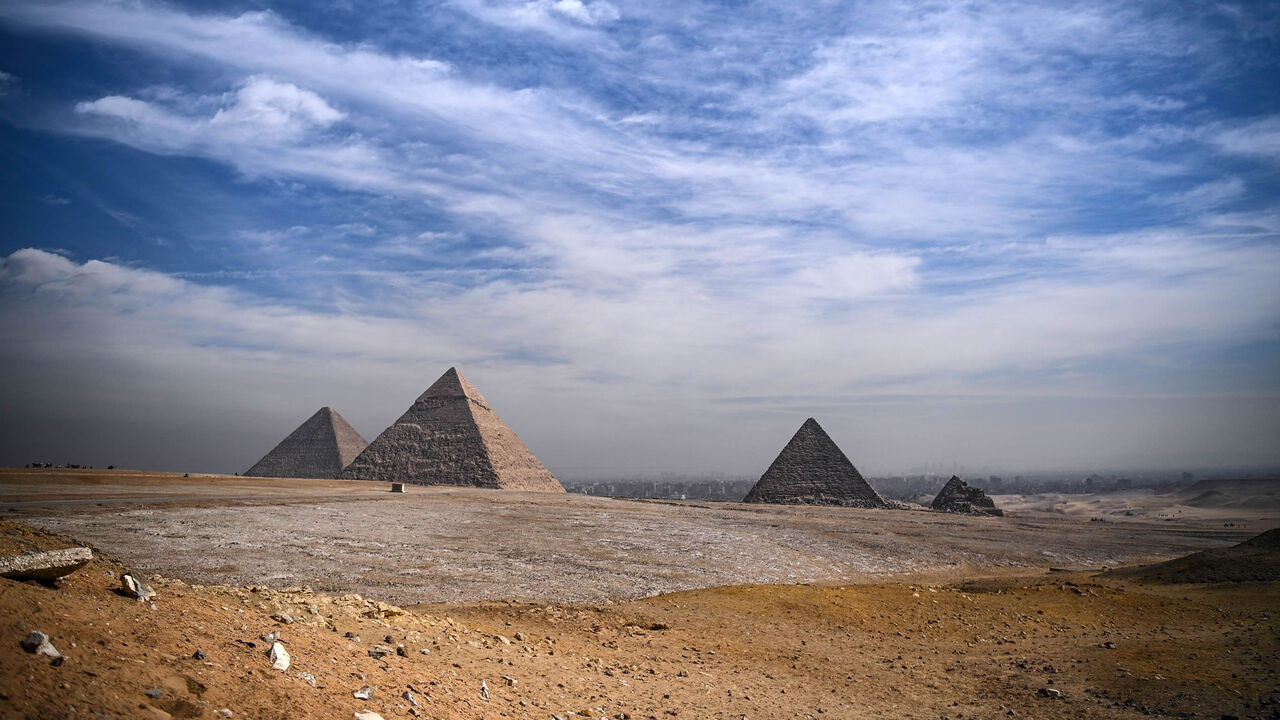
x=656, y=235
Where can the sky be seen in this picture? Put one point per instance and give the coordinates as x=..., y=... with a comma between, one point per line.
x=656, y=235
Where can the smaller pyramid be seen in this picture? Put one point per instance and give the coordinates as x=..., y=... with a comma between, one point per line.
x=450, y=436
x=812, y=470
x=319, y=448
x=958, y=496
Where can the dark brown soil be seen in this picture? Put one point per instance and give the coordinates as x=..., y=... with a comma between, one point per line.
x=1254, y=560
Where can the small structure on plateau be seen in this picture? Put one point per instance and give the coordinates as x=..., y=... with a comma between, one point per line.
x=957, y=496
x=319, y=448
x=812, y=470
x=450, y=436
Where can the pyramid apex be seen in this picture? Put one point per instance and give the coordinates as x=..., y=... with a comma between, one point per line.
x=453, y=384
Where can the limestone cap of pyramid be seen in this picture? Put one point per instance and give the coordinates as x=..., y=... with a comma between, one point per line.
x=453, y=384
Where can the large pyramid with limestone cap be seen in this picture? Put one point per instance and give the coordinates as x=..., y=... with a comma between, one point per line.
x=812, y=470
x=450, y=436
x=319, y=448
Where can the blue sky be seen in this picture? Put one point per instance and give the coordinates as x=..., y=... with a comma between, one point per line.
x=656, y=235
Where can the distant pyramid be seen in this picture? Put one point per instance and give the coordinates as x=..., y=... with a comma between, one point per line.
x=958, y=496
x=811, y=470
x=319, y=448
x=450, y=436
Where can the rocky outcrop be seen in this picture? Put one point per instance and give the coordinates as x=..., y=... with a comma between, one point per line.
x=957, y=496
x=812, y=470
x=450, y=436
x=318, y=448
x=45, y=566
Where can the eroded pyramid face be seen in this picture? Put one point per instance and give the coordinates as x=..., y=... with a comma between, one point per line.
x=812, y=470
x=450, y=436
x=319, y=448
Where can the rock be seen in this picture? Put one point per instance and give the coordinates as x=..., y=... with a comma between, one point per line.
x=279, y=656
x=410, y=698
x=402, y=651
x=38, y=644
x=379, y=651
x=367, y=715
x=135, y=585
x=364, y=693
x=1049, y=693
x=484, y=691
x=224, y=712
x=154, y=693
x=282, y=618
x=45, y=566
x=198, y=655
x=308, y=678
x=957, y=496
x=519, y=637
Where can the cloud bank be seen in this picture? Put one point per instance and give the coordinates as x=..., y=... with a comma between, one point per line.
x=1003, y=236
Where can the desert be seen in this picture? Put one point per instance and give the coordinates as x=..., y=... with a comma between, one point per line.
x=475, y=603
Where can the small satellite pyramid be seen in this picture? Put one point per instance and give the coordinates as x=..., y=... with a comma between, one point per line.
x=811, y=470
x=450, y=436
x=958, y=496
x=319, y=448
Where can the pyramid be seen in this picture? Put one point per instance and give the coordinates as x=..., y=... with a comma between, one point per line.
x=450, y=436
x=958, y=496
x=319, y=448
x=811, y=470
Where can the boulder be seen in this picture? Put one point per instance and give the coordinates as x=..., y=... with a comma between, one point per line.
x=279, y=656
x=135, y=585
x=45, y=566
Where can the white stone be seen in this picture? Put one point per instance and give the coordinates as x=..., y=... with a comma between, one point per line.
x=279, y=656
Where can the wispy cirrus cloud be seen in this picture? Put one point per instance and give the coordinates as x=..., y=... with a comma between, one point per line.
x=868, y=200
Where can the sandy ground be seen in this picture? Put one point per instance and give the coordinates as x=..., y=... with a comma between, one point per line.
x=463, y=545
x=952, y=617
x=979, y=650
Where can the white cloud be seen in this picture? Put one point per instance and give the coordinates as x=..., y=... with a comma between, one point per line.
x=278, y=110
x=1259, y=138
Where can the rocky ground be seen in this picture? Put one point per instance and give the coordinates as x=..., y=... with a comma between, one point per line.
x=1017, y=641
x=1038, y=646
x=466, y=545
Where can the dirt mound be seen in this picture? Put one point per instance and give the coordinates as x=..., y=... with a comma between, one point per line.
x=1210, y=498
x=1233, y=493
x=16, y=539
x=1254, y=560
